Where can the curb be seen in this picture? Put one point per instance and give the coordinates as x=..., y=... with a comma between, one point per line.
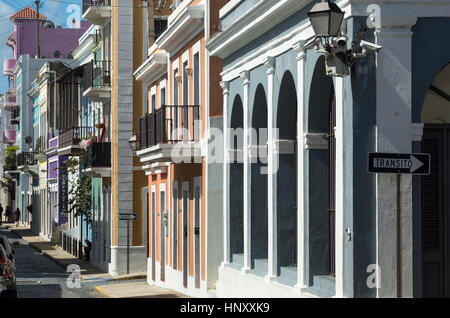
x=130, y=278
x=102, y=291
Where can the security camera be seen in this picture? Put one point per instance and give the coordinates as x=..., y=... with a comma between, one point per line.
x=341, y=41
x=369, y=46
x=314, y=43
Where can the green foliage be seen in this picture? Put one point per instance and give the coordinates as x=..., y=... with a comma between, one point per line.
x=80, y=191
x=10, y=155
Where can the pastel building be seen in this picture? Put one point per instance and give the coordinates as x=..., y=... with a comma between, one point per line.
x=183, y=91
x=302, y=215
x=22, y=70
x=118, y=189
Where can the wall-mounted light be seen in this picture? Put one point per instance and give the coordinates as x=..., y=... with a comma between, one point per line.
x=326, y=20
x=133, y=142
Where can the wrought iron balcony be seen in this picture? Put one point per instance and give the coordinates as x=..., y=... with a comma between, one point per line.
x=97, y=12
x=97, y=155
x=8, y=66
x=8, y=168
x=70, y=138
x=97, y=80
x=170, y=124
x=15, y=116
x=40, y=145
x=9, y=101
x=26, y=159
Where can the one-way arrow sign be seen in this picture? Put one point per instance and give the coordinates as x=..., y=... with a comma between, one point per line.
x=412, y=163
x=127, y=216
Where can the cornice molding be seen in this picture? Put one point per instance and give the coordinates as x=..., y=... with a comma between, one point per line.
x=245, y=75
x=269, y=63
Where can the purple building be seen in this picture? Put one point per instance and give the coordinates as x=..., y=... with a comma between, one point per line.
x=54, y=41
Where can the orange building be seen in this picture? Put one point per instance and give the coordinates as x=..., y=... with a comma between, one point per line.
x=183, y=92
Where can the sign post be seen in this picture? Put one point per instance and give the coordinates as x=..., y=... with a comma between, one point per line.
x=397, y=163
x=128, y=217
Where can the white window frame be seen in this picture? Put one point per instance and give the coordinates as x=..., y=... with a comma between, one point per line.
x=162, y=85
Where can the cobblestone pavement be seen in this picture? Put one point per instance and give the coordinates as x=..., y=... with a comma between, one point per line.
x=39, y=277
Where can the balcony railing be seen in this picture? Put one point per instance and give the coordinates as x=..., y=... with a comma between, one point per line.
x=73, y=136
x=170, y=124
x=40, y=144
x=97, y=155
x=97, y=74
x=26, y=159
x=98, y=12
x=9, y=101
x=8, y=66
x=94, y=3
x=15, y=116
x=9, y=168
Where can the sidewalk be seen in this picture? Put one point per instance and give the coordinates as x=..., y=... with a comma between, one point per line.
x=54, y=252
x=119, y=289
x=137, y=290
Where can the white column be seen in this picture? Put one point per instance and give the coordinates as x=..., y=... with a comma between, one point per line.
x=272, y=156
x=393, y=135
x=226, y=177
x=247, y=175
x=301, y=57
x=339, y=186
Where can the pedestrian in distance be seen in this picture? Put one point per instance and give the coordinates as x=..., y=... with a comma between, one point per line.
x=17, y=216
x=8, y=214
x=87, y=249
x=1, y=214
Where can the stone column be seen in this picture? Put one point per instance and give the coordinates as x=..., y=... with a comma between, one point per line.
x=272, y=157
x=247, y=175
x=299, y=47
x=226, y=176
x=394, y=135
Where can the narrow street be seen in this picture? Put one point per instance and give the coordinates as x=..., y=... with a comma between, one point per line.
x=38, y=277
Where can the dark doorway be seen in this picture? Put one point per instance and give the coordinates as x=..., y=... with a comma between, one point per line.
x=185, y=203
x=436, y=212
x=162, y=209
x=320, y=160
x=287, y=181
x=153, y=220
x=236, y=196
x=259, y=212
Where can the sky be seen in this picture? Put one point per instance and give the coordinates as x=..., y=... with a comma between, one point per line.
x=55, y=10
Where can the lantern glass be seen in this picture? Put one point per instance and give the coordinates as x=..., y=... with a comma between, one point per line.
x=326, y=19
x=133, y=143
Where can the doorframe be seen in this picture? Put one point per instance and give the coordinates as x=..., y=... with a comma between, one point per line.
x=185, y=228
x=162, y=231
x=197, y=238
x=153, y=229
x=175, y=219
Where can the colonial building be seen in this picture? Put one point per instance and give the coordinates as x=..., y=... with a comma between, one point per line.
x=182, y=84
x=302, y=214
x=22, y=70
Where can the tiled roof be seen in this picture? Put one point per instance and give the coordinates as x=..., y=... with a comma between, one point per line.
x=27, y=13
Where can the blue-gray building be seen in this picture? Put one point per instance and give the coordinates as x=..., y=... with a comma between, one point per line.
x=303, y=217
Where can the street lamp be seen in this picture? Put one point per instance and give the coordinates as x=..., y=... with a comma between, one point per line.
x=326, y=20
x=133, y=141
